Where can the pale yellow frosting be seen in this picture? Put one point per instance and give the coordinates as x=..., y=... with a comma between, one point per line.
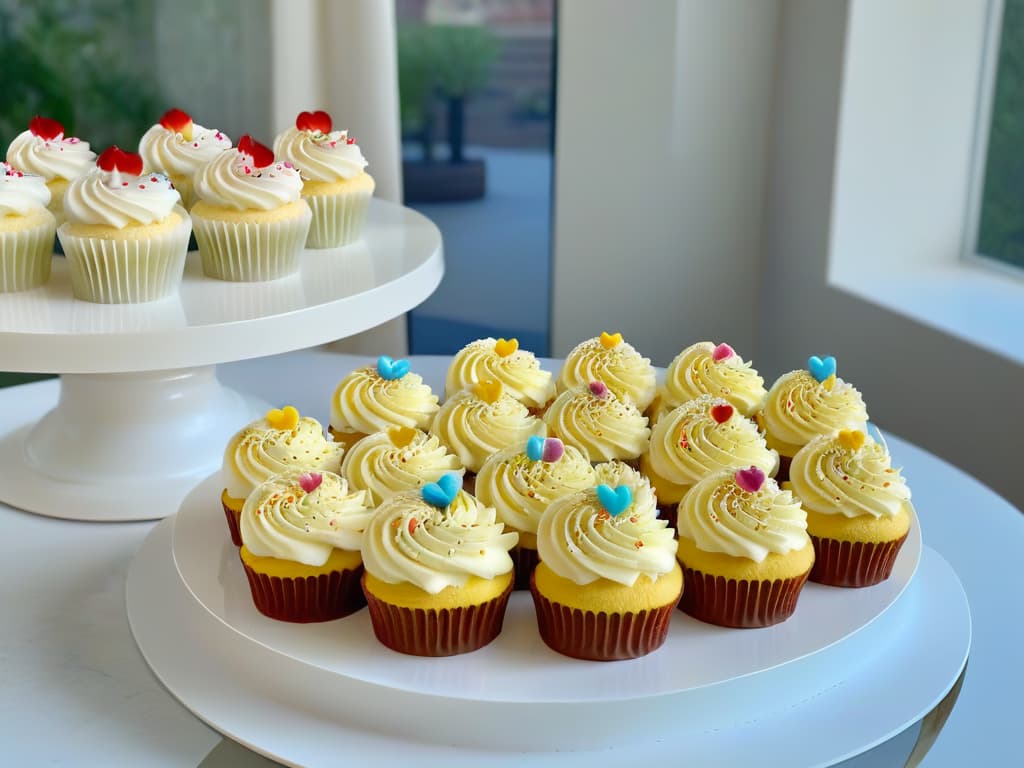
x=623, y=370
x=519, y=372
x=695, y=372
x=474, y=429
x=799, y=408
x=604, y=427
x=366, y=402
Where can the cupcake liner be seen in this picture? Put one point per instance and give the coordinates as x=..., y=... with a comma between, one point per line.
x=783, y=474
x=253, y=251
x=234, y=523
x=670, y=512
x=337, y=219
x=739, y=603
x=853, y=564
x=600, y=636
x=126, y=271
x=304, y=600
x=524, y=561
x=26, y=256
x=439, y=632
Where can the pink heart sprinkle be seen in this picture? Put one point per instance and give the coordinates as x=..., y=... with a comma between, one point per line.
x=598, y=389
x=553, y=449
x=750, y=480
x=722, y=352
x=310, y=481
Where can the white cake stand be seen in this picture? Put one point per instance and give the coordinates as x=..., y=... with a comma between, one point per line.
x=141, y=416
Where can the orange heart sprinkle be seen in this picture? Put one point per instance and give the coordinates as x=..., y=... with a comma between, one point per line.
x=610, y=340
x=505, y=347
x=401, y=436
x=852, y=439
x=488, y=390
x=283, y=418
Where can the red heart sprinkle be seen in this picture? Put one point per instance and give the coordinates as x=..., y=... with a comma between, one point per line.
x=750, y=479
x=261, y=156
x=721, y=413
x=314, y=121
x=113, y=158
x=310, y=481
x=176, y=120
x=45, y=128
x=722, y=352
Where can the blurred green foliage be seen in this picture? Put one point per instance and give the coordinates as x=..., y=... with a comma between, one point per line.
x=1001, y=229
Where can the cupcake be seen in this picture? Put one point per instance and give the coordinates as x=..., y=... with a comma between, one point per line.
x=396, y=459
x=379, y=396
x=44, y=151
x=126, y=234
x=708, y=369
x=335, y=184
x=608, y=580
x=26, y=230
x=279, y=442
x=700, y=437
x=477, y=422
x=744, y=549
x=609, y=359
x=251, y=222
x=520, y=483
x=178, y=147
x=600, y=423
x=858, y=507
x=803, y=404
x=301, y=533
x=502, y=360
x=438, y=574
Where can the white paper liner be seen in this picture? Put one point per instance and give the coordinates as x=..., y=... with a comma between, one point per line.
x=26, y=256
x=251, y=251
x=126, y=271
x=338, y=219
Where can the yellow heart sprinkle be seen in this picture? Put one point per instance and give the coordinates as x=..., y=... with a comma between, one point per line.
x=401, y=436
x=829, y=383
x=505, y=347
x=488, y=390
x=283, y=418
x=610, y=340
x=851, y=439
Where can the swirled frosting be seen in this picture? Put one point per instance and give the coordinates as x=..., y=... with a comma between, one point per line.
x=604, y=426
x=410, y=541
x=720, y=516
x=225, y=182
x=57, y=158
x=258, y=452
x=519, y=372
x=320, y=156
x=799, y=408
x=520, y=489
x=366, y=402
x=474, y=428
x=382, y=466
x=281, y=519
x=21, y=192
x=116, y=199
x=621, y=368
x=169, y=152
x=688, y=443
x=695, y=372
x=833, y=479
x=579, y=540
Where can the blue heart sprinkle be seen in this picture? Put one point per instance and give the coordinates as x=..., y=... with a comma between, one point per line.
x=614, y=501
x=443, y=492
x=535, y=448
x=391, y=369
x=821, y=369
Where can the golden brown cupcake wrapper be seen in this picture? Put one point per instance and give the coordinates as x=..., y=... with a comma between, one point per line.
x=784, y=463
x=438, y=632
x=304, y=600
x=853, y=564
x=600, y=636
x=670, y=512
x=739, y=602
x=524, y=560
x=234, y=524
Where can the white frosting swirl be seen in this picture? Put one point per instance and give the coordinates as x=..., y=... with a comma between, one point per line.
x=224, y=182
x=719, y=516
x=621, y=368
x=519, y=372
x=169, y=152
x=21, y=192
x=366, y=402
x=320, y=156
x=410, y=541
x=604, y=427
x=280, y=519
x=695, y=372
x=799, y=408
x=58, y=158
x=118, y=200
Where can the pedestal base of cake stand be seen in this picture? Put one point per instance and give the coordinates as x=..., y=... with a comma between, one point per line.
x=117, y=447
